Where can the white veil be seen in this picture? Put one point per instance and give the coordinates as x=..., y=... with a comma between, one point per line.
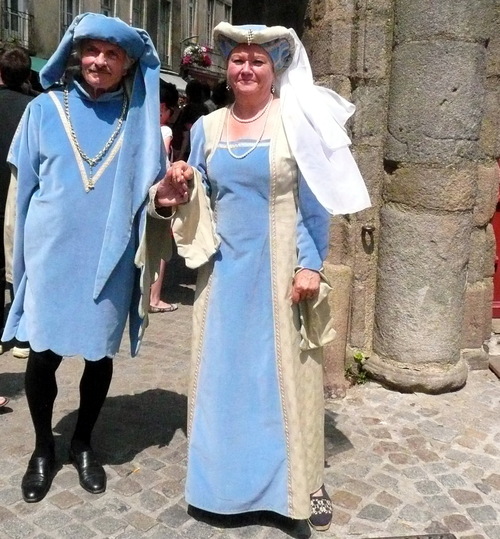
x=314, y=119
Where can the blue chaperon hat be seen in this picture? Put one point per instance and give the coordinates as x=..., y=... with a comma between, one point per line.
x=141, y=159
x=275, y=40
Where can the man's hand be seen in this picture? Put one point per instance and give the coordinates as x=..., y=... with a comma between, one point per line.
x=305, y=285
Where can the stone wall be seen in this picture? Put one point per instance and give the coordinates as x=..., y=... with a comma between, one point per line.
x=413, y=274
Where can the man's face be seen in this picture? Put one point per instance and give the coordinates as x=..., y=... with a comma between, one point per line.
x=104, y=64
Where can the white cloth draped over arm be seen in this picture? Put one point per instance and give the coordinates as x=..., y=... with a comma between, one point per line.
x=193, y=226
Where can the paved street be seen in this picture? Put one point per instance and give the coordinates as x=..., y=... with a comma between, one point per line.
x=397, y=465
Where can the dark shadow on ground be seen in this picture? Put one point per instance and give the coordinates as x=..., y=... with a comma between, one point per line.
x=335, y=441
x=178, y=285
x=12, y=383
x=298, y=529
x=128, y=424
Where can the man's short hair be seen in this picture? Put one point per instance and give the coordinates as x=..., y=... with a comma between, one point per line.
x=15, y=66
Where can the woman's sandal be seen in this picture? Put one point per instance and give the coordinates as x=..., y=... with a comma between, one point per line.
x=321, y=511
x=3, y=401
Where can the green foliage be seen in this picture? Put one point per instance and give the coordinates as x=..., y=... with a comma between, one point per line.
x=355, y=371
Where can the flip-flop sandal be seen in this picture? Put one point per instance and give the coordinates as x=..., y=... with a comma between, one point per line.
x=172, y=307
x=3, y=401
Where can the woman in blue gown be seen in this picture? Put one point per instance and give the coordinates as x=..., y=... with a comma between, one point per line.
x=255, y=421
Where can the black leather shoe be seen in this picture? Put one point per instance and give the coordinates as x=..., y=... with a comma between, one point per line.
x=38, y=478
x=91, y=474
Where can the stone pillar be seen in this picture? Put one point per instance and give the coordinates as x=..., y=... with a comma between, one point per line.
x=349, y=45
x=432, y=155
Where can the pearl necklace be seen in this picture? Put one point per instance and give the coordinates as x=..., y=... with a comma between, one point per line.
x=93, y=161
x=256, y=117
x=252, y=148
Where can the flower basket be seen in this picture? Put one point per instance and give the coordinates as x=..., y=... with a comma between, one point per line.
x=196, y=55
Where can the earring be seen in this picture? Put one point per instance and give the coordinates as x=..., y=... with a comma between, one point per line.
x=273, y=89
x=228, y=87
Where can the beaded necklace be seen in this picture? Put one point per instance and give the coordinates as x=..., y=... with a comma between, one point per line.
x=256, y=117
x=252, y=148
x=93, y=161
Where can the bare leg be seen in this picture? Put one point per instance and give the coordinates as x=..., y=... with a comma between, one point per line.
x=155, y=301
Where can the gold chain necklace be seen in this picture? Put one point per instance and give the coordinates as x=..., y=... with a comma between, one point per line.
x=252, y=148
x=93, y=161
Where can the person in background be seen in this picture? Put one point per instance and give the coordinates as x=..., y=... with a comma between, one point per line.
x=83, y=176
x=15, y=69
x=208, y=97
x=274, y=165
x=169, y=96
x=221, y=94
x=194, y=108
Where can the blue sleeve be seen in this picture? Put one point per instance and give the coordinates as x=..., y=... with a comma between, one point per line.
x=197, y=155
x=313, y=228
x=24, y=155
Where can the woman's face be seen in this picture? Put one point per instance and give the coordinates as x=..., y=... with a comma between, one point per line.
x=250, y=70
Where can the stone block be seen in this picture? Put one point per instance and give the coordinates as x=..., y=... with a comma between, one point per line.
x=435, y=102
x=340, y=278
x=373, y=50
x=490, y=127
x=490, y=252
x=478, y=252
x=476, y=358
x=330, y=49
x=319, y=10
x=418, y=20
x=488, y=302
x=487, y=193
x=340, y=83
x=360, y=330
x=371, y=102
x=493, y=52
x=433, y=188
x=421, y=285
x=370, y=161
x=476, y=296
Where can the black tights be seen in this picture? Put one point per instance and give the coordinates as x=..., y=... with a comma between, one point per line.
x=41, y=392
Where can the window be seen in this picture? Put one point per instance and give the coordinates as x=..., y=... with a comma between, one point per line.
x=11, y=20
x=69, y=10
x=210, y=20
x=165, y=31
x=108, y=8
x=191, y=30
x=138, y=13
x=227, y=13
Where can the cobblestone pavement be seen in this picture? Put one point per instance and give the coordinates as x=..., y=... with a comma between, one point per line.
x=397, y=464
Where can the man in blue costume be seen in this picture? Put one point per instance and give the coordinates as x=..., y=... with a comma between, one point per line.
x=85, y=157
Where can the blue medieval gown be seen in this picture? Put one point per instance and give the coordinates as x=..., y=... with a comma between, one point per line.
x=255, y=403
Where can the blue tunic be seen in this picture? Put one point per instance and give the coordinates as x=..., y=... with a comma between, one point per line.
x=238, y=457
x=60, y=230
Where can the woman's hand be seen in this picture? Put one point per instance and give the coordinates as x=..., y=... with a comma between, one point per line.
x=173, y=189
x=305, y=285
